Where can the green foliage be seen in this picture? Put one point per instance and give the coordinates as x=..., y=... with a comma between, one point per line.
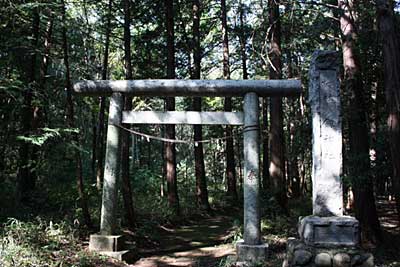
x=42, y=243
x=47, y=134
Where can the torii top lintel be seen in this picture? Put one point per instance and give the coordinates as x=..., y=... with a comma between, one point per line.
x=191, y=88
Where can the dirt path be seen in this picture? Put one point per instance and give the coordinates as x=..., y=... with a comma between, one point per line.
x=200, y=257
x=197, y=243
x=207, y=242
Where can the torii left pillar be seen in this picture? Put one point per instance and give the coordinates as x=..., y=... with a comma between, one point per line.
x=107, y=242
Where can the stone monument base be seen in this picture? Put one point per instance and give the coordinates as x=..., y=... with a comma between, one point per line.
x=251, y=253
x=329, y=231
x=327, y=242
x=299, y=254
x=110, y=245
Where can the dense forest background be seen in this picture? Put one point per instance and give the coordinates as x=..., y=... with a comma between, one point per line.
x=53, y=142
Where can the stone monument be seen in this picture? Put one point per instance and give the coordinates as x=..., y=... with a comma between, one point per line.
x=327, y=238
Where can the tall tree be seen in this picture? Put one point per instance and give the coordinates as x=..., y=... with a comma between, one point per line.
x=229, y=149
x=102, y=104
x=293, y=122
x=276, y=140
x=242, y=40
x=391, y=57
x=125, y=136
x=266, y=183
x=294, y=118
x=243, y=54
x=71, y=123
x=201, y=182
x=169, y=149
x=359, y=171
x=26, y=177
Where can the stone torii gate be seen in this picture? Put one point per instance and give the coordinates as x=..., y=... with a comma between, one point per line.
x=251, y=248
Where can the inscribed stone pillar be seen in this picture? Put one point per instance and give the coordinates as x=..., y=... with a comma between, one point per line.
x=251, y=249
x=111, y=168
x=251, y=188
x=324, y=98
x=327, y=238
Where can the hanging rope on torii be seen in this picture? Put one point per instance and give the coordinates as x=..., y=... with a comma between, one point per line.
x=149, y=137
x=252, y=248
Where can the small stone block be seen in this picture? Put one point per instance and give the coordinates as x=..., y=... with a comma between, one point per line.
x=294, y=244
x=251, y=253
x=323, y=260
x=124, y=255
x=341, y=260
x=329, y=231
x=107, y=243
x=302, y=257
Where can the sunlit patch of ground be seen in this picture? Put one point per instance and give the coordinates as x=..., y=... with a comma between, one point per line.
x=207, y=256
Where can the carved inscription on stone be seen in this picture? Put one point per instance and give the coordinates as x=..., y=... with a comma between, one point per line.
x=329, y=231
x=333, y=234
x=327, y=135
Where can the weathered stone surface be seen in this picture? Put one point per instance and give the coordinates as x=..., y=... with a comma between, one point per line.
x=106, y=242
x=190, y=87
x=251, y=253
x=342, y=256
x=302, y=257
x=341, y=260
x=323, y=260
x=183, y=117
x=251, y=229
x=124, y=255
x=369, y=261
x=324, y=98
x=329, y=231
x=111, y=167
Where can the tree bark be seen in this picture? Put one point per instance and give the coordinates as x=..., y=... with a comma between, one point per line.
x=169, y=148
x=229, y=148
x=125, y=136
x=277, y=164
x=201, y=183
x=71, y=123
x=362, y=186
x=242, y=41
x=391, y=56
x=102, y=105
x=266, y=183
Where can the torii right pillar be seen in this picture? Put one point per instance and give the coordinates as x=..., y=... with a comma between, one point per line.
x=327, y=238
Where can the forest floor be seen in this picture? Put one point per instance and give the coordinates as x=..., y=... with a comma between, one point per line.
x=208, y=241
x=198, y=241
x=204, y=241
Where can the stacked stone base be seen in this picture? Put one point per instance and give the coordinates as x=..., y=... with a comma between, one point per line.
x=299, y=254
x=111, y=246
x=327, y=242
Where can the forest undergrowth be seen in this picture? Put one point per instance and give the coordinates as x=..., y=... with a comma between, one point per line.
x=51, y=240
